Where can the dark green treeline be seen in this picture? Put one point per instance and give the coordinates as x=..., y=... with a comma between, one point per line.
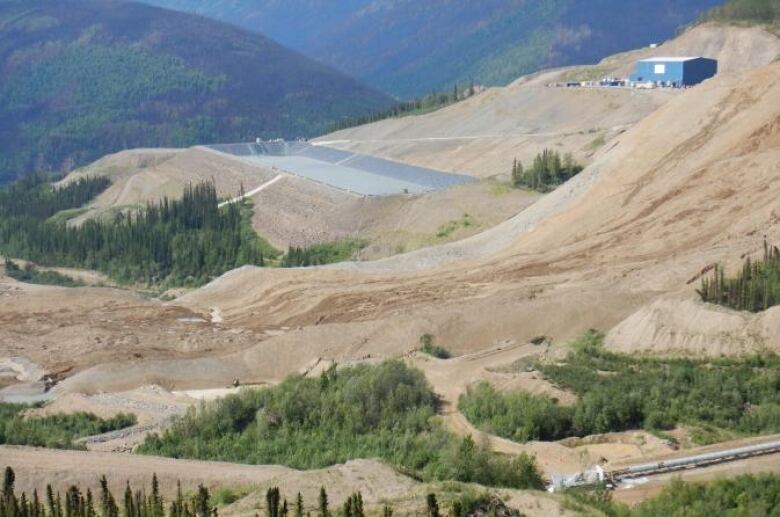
x=755, y=288
x=175, y=242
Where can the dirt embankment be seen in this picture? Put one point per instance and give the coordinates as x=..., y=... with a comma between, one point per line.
x=482, y=135
x=688, y=327
x=378, y=483
x=672, y=196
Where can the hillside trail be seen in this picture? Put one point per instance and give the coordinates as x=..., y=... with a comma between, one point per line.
x=253, y=191
x=450, y=378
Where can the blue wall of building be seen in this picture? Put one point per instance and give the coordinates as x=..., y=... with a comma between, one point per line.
x=698, y=70
x=681, y=73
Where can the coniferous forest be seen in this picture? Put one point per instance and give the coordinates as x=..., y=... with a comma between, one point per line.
x=743, y=495
x=755, y=288
x=418, y=106
x=185, y=241
x=548, y=171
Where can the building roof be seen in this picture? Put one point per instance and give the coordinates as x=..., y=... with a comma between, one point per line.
x=668, y=59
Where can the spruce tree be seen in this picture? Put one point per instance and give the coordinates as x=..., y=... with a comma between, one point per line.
x=324, y=512
x=299, y=505
x=8, y=483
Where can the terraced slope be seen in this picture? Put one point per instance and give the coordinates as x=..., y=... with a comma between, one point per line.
x=484, y=134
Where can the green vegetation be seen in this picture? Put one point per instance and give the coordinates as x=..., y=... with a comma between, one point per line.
x=174, y=242
x=419, y=106
x=56, y=431
x=412, y=48
x=32, y=275
x=320, y=254
x=717, y=398
x=83, y=80
x=34, y=197
x=751, y=12
x=66, y=215
x=547, y=172
x=446, y=230
x=428, y=346
x=597, y=143
x=743, y=495
x=225, y=496
x=384, y=411
x=756, y=288
x=78, y=503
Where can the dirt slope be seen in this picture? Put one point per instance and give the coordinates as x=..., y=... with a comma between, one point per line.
x=295, y=212
x=737, y=49
x=672, y=196
x=378, y=482
x=482, y=136
x=689, y=327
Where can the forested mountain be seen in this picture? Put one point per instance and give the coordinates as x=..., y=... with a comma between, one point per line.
x=82, y=78
x=409, y=47
x=749, y=12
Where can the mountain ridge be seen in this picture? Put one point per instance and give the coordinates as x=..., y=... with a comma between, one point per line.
x=82, y=79
x=410, y=48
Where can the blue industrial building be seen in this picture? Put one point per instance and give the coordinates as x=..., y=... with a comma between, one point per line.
x=675, y=71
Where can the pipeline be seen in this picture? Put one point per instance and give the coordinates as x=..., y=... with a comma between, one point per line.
x=700, y=460
x=597, y=475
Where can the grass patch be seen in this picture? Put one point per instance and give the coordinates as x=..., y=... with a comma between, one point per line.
x=30, y=274
x=226, y=496
x=597, y=143
x=385, y=411
x=446, y=230
x=64, y=216
x=499, y=188
x=269, y=253
x=718, y=399
x=590, y=73
x=55, y=431
x=325, y=253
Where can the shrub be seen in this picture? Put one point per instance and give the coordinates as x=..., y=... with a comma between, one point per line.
x=384, y=411
x=55, y=431
x=616, y=392
x=428, y=346
x=32, y=275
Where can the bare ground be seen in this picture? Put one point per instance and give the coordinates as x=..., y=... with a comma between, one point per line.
x=378, y=483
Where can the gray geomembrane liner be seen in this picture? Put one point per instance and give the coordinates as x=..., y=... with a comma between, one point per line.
x=358, y=173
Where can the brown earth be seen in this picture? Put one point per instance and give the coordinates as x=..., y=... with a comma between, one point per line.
x=689, y=327
x=378, y=482
x=297, y=212
x=482, y=135
x=643, y=220
x=65, y=330
x=695, y=182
